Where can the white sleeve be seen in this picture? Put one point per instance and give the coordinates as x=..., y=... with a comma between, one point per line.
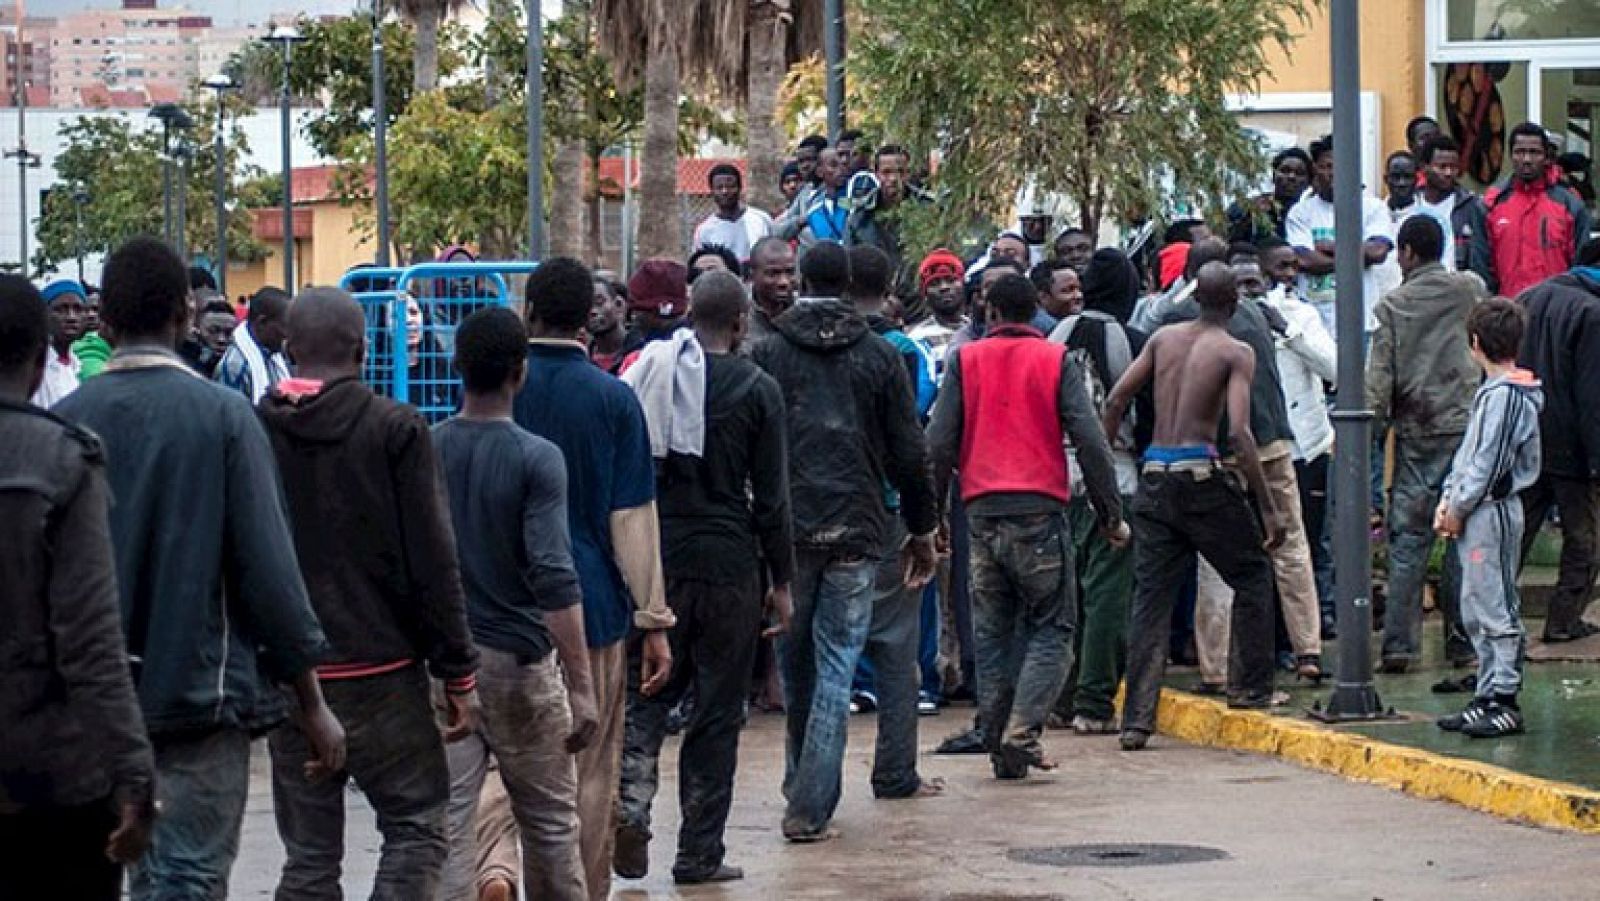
x=1375, y=222
x=1310, y=340
x=1297, y=230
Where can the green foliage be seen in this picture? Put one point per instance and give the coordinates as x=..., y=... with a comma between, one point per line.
x=1117, y=105
x=117, y=163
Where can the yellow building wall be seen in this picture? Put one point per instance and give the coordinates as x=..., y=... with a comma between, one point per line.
x=332, y=249
x=1393, y=62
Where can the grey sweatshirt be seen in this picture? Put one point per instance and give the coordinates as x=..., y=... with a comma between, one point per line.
x=1499, y=457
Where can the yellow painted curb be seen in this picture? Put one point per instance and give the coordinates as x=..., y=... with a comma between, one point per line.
x=1480, y=786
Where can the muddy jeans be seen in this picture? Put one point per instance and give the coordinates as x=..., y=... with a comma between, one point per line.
x=1576, y=499
x=832, y=614
x=1023, y=609
x=1175, y=516
x=525, y=726
x=1420, y=467
x=713, y=649
x=201, y=785
x=396, y=757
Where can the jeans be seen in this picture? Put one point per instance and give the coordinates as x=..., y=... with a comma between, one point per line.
x=1175, y=516
x=1312, y=477
x=832, y=614
x=1420, y=467
x=1490, y=541
x=892, y=651
x=1023, y=590
x=525, y=726
x=72, y=839
x=201, y=785
x=960, y=599
x=713, y=648
x=929, y=636
x=1100, y=645
x=1576, y=499
x=396, y=756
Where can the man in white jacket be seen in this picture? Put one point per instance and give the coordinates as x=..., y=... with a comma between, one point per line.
x=1307, y=364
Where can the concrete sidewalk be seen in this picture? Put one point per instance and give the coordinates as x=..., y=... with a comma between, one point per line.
x=1285, y=833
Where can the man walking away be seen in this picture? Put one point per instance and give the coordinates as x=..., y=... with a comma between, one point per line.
x=1562, y=347
x=1498, y=459
x=716, y=534
x=83, y=804
x=213, y=603
x=1188, y=504
x=523, y=600
x=254, y=362
x=600, y=428
x=1536, y=224
x=374, y=540
x=1420, y=381
x=1010, y=403
x=852, y=427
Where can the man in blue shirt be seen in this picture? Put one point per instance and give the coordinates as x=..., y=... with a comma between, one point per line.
x=599, y=426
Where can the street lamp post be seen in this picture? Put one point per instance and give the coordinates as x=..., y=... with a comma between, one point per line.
x=833, y=51
x=535, y=92
x=80, y=199
x=182, y=154
x=222, y=84
x=172, y=118
x=25, y=158
x=286, y=37
x=380, y=137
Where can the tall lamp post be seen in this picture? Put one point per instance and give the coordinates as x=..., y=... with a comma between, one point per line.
x=286, y=37
x=380, y=137
x=25, y=158
x=172, y=118
x=833, y=51
x=80, y=199
x=222, y=84
x=535, y=92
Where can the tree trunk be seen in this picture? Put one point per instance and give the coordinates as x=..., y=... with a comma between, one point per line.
x=566, y=231
x=769, y=28
x=595, y=219
x=660, y=231
x=425, y=58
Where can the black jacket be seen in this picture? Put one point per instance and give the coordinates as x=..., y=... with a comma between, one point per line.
x=1562, y=347
x=372, y=528
x=852, y=429
x=72, y=732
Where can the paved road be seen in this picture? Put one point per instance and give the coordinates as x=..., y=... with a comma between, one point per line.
x=1287, y=833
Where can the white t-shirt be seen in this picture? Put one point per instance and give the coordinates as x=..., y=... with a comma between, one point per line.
x=738, y=235
x=936, y=337
x=60, y=378
x=1310, y=221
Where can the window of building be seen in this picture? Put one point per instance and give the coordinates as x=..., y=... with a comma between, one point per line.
x=1500, y=20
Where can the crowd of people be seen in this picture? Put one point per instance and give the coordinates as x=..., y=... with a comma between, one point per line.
x=798, y=471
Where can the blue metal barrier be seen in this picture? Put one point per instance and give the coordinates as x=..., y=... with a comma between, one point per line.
x=412, y=315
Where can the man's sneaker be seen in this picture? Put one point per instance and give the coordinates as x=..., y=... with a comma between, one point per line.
x=1134, y=740
x=723, y=873
x=863, y=702
x=1475, y=710
x=1498, y=720
x=969, y=741
x=1083, y=725
x=927, y=705
x=630, y=859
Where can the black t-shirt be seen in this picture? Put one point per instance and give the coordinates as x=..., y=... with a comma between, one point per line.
x=508, y=500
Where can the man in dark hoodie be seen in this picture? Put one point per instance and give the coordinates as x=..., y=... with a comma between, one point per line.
x=1562, y=347
x=373, y=532
x=213, y=605
x=1420, y=382
x=852, y=426
x=77, y=776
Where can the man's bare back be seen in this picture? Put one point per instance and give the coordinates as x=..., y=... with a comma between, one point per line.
x=1195, y=363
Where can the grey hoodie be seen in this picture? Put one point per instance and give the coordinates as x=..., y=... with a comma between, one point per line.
x=1499, y=457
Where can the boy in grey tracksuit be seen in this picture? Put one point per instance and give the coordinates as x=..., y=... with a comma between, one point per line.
x=1497, y=460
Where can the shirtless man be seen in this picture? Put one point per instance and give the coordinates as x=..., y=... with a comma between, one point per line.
x=1188, y=504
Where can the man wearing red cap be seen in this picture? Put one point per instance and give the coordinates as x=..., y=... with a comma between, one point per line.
x=658, y=295
x=939, y=280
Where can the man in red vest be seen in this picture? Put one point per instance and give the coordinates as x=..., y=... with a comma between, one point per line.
x=1009, y=404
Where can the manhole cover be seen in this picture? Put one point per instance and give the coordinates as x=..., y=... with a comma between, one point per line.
x=1128, y=855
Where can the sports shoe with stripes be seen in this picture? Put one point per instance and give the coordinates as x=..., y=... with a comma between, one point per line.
x=1475, y=710
x=1498, y=720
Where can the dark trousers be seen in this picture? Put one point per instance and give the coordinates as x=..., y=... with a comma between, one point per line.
x=893, y=646
x=1175, y=516
x=713, y=646
x=1312, y=476
x=396, y=757
x=1576, y=499
x=59, y=852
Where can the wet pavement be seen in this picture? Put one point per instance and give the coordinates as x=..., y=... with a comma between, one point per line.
x=1260, y=828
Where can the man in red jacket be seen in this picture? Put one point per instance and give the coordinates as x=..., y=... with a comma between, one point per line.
x=1008, y=403
x=1536, y=224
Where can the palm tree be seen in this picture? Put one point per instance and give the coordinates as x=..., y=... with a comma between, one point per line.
x=427, y=16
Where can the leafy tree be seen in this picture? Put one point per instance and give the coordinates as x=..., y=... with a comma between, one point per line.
x=1110, y=103
x=117, y=164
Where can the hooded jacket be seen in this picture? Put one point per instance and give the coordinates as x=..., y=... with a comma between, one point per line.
x=1420, y=374
x=371, y=526
x=1533, y=233
x=852, y=426
x=1499, y=456
x=1562, y=346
